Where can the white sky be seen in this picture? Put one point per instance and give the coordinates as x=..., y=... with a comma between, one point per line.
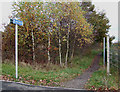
x=109, y=6
x=111, y=10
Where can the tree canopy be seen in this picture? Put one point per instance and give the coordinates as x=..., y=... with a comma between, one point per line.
x=52, y=31
x=98, y=20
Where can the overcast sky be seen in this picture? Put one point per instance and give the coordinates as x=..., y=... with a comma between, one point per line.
x=108, y=6
x=111, y=10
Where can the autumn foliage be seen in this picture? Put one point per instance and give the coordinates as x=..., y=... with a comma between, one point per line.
x=49, y=29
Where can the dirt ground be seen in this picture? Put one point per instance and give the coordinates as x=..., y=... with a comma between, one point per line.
x=79, y=82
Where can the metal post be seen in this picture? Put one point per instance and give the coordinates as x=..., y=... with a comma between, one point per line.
x=108, y=63
x=104, y=52
x=0, y=52
x=16, y=49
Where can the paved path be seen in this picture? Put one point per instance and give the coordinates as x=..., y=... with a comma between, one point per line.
x=80, y=81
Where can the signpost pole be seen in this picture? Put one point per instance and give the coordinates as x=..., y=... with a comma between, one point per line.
x=16, y=49
x=16, y=22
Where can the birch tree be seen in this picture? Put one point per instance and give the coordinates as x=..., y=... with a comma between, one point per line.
x=51, y=27
x=58, y=15
x=82, y=28
x=30, y=13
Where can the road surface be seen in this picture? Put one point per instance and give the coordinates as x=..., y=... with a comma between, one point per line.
x=6, y=86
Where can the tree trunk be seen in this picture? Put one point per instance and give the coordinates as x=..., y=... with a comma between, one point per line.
x=49, y=46
x=60, y=48
x=33, y=45
x=66, y=61
x=73, y=49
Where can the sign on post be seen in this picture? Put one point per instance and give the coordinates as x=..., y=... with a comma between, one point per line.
x=17, y=22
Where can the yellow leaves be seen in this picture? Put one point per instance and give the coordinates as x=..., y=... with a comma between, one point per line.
x=64, y=38
x=50, y=33
x=76, y=28
x=54, y=25
x=25, y=2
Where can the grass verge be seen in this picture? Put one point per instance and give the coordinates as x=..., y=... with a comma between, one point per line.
x=101, y=81
x=51, y=77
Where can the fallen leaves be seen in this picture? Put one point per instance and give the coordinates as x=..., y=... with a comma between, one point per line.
x=30, y=80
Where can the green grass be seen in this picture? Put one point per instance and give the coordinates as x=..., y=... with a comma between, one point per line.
x=51, y=77
x=100, y=80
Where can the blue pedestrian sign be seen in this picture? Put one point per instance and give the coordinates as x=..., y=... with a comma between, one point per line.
x=17, y=22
